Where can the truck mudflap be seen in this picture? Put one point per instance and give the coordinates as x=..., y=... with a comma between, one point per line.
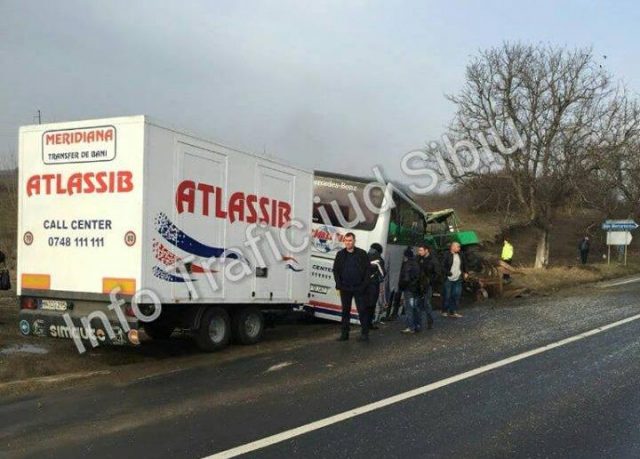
x=54, y=325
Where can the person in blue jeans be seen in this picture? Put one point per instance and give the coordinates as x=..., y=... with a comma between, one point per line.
x=455, y=269
x=410, y=286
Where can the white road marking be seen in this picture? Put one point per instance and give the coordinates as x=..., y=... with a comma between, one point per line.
x=289, y=434
x=623, y=282
x=279, y=366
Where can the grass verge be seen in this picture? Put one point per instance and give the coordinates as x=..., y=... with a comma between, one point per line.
x=558, y=277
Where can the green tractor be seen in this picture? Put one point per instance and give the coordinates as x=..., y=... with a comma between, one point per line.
x=443, y=228
x=412, y=225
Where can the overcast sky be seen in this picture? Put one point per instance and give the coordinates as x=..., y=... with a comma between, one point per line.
x=337, y=85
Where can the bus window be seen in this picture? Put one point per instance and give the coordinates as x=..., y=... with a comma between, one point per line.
x=394, y=224
x=343, y=199
x=407, y=225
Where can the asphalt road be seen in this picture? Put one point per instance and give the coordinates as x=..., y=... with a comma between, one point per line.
x=580, y=399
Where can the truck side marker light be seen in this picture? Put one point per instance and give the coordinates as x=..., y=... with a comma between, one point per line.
x=127, y=286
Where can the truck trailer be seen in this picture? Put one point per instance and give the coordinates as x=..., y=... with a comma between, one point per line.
x=125, y=223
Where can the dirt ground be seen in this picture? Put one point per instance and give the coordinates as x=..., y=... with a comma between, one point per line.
x=25, y=358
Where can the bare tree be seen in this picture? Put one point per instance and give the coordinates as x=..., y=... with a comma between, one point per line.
x=566, y=113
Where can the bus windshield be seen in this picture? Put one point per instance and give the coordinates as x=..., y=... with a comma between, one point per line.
x=339, y=202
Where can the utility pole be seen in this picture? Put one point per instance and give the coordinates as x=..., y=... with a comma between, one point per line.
x=39, y=117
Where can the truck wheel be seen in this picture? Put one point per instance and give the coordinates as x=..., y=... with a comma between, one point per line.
x=159, y=330
x=214, y=332
x=248, y=325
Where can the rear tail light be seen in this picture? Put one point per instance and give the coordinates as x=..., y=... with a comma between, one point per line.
x=128, y=310
x=28, y=303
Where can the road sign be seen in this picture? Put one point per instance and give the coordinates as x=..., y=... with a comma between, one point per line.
x=619, y=238
x=619, y=225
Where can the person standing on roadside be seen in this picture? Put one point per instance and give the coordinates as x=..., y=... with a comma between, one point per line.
x=377, y=273
x=455, y=269
x=584, y=247
x=410, y=286
x=507, y=257
x=351, y=273
x=428, y=275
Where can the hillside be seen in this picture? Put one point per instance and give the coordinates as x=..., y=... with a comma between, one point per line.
x=567, y=230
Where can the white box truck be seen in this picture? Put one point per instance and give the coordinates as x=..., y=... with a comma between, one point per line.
x=129, y=207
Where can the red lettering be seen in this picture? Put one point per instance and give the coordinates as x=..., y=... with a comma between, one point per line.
x=48, y=178
x=264, y=202
x=274, y=213
x=220, y=212
x=284, y=213
x=89, y=187
x=102, y=185
x=236, y=207
x=59, y=185
x=112, y=179
x=78, y=183
x=33, y=185
x=79, y=136
x=125, y=182
x=75, y=181
x=185, y=194
x=251, y=207
x=206, y=191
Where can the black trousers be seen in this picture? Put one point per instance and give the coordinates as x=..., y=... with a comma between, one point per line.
x=346, y=298
x=584, y=255
x=507, y=276
x=373, y=292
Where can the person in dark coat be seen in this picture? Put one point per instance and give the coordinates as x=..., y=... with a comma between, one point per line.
x=410, y=287
x=428, y=278
x=454, y=267
x=351, y=273
x=377, y=273
x=583, y=247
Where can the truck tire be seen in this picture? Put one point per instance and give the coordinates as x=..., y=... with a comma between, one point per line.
x=159, y=330
x=248, y=325
x=214, y=332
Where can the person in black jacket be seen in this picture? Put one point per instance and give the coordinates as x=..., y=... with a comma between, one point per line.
x=410, y=286
x=428, y=278
x=455, y=271
x=583, y=247
x=377, y=273
x=351, y=273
